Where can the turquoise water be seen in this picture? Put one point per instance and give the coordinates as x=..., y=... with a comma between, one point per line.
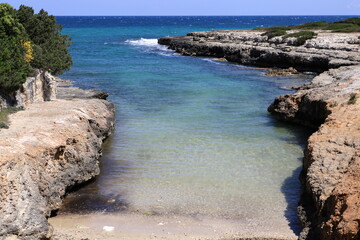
x=193, y=136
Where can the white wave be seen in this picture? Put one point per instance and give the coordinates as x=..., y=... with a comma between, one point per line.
x=143, y=42
x=148, y=44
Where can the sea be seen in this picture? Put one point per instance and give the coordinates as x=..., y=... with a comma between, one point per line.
x=193, y=136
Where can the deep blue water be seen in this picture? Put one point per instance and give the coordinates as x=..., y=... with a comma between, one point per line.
x=193, y=136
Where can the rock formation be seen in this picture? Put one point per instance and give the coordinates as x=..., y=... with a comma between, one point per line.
x=330, y=204
x=249, y=47
x=40, y=88
x=50, y=147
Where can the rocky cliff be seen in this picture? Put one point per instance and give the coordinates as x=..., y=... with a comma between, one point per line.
x=330, y=205
x=39, y=88
x=249, y=47
x=50, y=147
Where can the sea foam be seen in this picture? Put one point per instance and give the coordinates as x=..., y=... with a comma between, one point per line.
x=143, y=42
x=150, y=44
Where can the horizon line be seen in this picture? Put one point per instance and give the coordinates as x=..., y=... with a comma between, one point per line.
x=280, y=15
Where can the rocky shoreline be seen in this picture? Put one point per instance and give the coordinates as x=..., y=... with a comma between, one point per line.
x=249, y=47
x=330, y=204
x=50, y=147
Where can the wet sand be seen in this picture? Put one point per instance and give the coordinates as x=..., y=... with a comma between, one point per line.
x=138, y=226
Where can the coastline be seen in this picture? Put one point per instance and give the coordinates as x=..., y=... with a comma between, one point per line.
x=340, y=106
x=328, y=208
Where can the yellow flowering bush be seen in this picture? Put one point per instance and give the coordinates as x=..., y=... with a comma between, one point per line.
x=29, y=54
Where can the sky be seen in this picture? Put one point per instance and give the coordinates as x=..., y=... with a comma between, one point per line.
x=192, y=7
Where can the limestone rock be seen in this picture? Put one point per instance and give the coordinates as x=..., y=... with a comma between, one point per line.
x=49, y=148
x=249, y=47
x=40, y=88
x=331, y=170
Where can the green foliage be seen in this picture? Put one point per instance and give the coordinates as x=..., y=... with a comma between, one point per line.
x=312, y=25
x=4, y=115
x=347, y=25
x=301, y=36
x=13, y=67
x=278, y=28
x=354, y=20
x=51, y=47
x=29, y=40
x=3, y=125
x=353, y=98
x=274, y=33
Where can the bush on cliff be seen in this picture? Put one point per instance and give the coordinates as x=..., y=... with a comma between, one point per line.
x=50, y=46
x=14, y=66
x=27, y=41
x=347, y=25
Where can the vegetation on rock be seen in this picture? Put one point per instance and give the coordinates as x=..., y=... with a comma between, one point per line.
x=353, y=98
x=345, y=26
x=28, y=41
x=4, y=114
x=301, y=36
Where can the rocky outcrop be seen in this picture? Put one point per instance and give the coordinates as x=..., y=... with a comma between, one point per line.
x=49, y=148
x=249, y=47
x=330, y=205
x=40, y=88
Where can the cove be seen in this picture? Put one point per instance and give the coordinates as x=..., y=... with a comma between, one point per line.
x=192, y=137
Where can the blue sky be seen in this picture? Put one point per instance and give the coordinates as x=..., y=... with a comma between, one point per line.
x=194, y=7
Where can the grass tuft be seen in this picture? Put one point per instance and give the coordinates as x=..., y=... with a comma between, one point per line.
x=353, y=98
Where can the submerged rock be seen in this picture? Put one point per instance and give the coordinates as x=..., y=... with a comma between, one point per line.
x=281, y=72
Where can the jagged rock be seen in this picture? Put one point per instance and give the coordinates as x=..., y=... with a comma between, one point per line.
x=331, y=172
x=40, y=88
x=74, y=92
x=281, y=72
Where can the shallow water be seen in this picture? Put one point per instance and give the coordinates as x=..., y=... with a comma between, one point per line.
x=193, y=136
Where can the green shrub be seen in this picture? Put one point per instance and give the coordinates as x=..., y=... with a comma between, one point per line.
x=4, y=115
x=347, y=25
x=27, y=41
x=274, y=33
x=353, y=98
x=13, y=65
x=50, y=46
x=301, y=36
x=312, y=25
x=3, y=125
x=354, y=20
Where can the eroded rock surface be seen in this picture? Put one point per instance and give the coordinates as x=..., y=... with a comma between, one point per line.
x=40, y=88
x=327, y=50
x=330, y=205
x=49, y=147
